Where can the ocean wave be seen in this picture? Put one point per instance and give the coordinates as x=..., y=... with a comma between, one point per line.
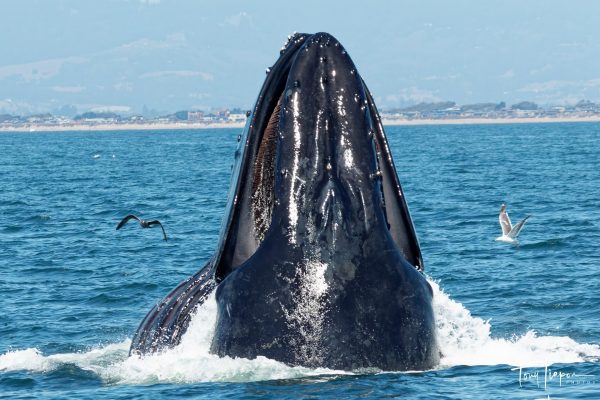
x=465, y=340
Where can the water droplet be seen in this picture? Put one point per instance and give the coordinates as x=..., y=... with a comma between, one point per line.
x=248, y=113
x=328, y=166
x=239, y=138
x=296, y=83
x=376, y=175
x=323, y=59
x=370, y=133
x=268, y=70
x=277, y=202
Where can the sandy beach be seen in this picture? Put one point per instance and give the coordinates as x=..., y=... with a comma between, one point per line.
x=201, y=125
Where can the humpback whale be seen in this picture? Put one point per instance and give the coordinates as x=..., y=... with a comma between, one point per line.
x=318, y=263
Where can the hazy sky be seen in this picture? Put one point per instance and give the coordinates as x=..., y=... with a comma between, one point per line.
x=181, y=54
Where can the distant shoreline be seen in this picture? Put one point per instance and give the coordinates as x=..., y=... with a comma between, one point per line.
x=120, y=127
x=216, y=125
x=490, y=121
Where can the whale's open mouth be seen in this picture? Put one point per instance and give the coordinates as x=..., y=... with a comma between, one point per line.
x=263, y=195
x=317, y=259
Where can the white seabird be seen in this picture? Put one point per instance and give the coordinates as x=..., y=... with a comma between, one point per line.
x=509, y=232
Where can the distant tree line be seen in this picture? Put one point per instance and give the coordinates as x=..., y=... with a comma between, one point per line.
x=97, y=115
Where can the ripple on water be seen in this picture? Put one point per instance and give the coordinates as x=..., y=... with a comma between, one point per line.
x=71, y=285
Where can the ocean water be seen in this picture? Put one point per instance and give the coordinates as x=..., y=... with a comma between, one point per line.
x=518, y=322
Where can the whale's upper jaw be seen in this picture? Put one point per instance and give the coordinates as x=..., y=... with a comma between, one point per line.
x=313, y=165
x=328, y=183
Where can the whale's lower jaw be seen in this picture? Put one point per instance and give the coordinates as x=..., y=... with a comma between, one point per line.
x=365, y=308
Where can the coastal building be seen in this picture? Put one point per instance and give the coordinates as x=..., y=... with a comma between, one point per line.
x=237, y=117
x=195, y=116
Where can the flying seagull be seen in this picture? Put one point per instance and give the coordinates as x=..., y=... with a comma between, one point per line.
x=509, y=232
x=143, y=223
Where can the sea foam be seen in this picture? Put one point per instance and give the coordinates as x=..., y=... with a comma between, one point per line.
x=463, y=338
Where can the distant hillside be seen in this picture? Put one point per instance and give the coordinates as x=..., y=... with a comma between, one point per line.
x=97, y=115
x=525, y=106
x=483, y=107
x=424, y=108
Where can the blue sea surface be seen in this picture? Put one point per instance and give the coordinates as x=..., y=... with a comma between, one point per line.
x=518, y=322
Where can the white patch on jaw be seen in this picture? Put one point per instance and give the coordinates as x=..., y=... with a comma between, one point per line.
x=348, y=158
x=307, y=318
x=314, y=279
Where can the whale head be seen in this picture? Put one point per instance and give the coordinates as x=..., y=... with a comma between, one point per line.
x=313, y=164
x=318, y=262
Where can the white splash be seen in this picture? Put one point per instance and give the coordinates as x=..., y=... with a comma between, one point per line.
x=467, y=340
x=94, y=360
x=186, y=363
x=464, y=340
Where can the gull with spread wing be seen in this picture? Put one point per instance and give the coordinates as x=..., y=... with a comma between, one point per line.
x=143, y=223
x=509, y=232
